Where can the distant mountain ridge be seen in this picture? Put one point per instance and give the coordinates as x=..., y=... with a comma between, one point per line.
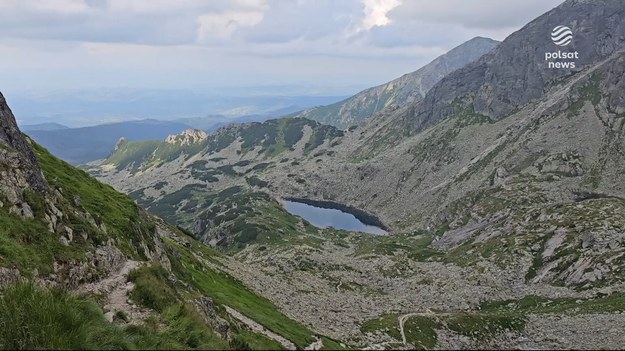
x=81, y=145
x=400, y=92
x=43, y=126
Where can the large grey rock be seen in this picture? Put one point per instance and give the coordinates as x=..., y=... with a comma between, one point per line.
x=12, y=137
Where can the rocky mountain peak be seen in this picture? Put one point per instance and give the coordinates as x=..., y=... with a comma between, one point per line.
x=20, y=153
x=188, y=137
x=521, y=69
x=120, y=143
x=403, y=91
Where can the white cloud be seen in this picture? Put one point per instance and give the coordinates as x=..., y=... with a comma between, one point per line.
x=375, y=12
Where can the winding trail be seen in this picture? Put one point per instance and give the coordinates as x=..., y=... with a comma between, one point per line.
x=402, y=319
x=338, y=287
x=117, y=288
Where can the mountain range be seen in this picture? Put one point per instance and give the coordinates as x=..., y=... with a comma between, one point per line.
x=86, y=144
x=501, y=189
x=400, y=92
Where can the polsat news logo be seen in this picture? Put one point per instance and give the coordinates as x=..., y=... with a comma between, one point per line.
x=561, y=36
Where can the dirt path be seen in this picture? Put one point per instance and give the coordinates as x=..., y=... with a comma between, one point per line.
x=258, y=328
x=402, y=319
x=116, y=288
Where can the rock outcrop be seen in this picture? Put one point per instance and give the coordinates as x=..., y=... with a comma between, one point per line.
x=188, y=137
x=18, y=150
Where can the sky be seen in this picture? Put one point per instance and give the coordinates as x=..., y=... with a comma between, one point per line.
x=330, y=46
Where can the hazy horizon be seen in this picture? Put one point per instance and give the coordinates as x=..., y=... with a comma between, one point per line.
x=278, y=48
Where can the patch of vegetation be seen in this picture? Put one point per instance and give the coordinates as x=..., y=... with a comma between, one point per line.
x=330, y=344
x=387, y=324
x=260, y=166
x=538, y=304
x=589, y=91
x=247, y=340
x=199, y=164
x=168, y=206
x=160, y=185
x=132, y=154
x=208, y=175
x=255, y=181
x=34, y=318
x=420, y=331
x=228, y=170
x=242, y=163
x=151, y=289
x=29, y=246
x=179, y=327
x=320, y=134
x=481, y=326
x=415, y=247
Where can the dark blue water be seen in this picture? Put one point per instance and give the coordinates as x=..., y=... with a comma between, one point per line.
x=328, y=217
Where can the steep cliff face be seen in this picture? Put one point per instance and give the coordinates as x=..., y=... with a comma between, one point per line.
x=517, y=72
x=18, y=150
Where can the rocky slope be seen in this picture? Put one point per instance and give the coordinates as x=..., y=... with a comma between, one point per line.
x=400, y=92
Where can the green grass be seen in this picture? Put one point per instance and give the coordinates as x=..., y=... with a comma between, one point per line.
x=387, y=324
x=151, y=289
x=329, y=344
x=137, y=155
x=39, y=318
x=254, y=341
x=29, y=246
x=132, y=153
x=421, y=332
x=123, y=218
x=34, y=318
x=481, y=326
x=225, y=290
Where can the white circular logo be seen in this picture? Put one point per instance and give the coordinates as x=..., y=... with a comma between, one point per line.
x=561, y=35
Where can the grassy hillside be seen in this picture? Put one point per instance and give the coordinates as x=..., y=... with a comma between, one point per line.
x=168, y=288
